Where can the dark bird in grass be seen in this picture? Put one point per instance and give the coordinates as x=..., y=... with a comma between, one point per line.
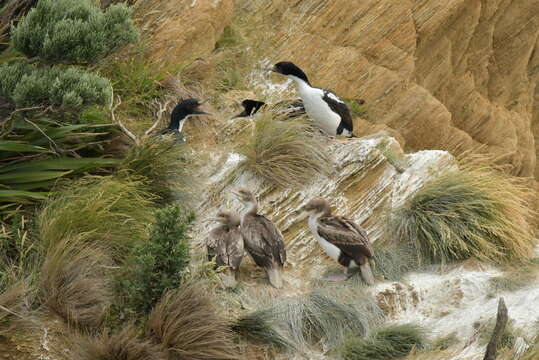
x=182, y=111
x=225, y=246
x=263, y=241
x=286, y=108
x=327, y=110
x=341, y=238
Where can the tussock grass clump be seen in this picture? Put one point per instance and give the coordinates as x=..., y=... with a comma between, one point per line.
x=474, y=212
x=187, y=324
x=284, y=153
x=391, y=342
x=108, y=211
x=298, y=322
x=122, y=345
x=393, y=261
x=157, y=162
x=74, y=282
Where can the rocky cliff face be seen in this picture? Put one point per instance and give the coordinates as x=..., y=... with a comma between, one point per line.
x=450, y=75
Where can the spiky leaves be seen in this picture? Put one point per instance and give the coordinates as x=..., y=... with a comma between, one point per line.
x=186, y=323
x=73, y=31
x=285, y=153
x=475, y=211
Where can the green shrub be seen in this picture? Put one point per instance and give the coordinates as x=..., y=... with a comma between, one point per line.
x=474, y=212
x=73, y=31
x=285, y=153
x=385, y=344
x=157, y=265
x=70, y=88
x=11, y=74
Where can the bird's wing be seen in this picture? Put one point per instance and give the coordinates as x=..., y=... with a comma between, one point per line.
x=344, y=234
x=271, y=246
x=338, y=106
x=216, y=245
x=235, y=248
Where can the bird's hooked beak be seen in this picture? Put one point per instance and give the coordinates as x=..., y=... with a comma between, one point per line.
x=200, y=112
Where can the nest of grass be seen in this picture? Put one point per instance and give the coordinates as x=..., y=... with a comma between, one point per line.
x=284, y=153
x=476, y=211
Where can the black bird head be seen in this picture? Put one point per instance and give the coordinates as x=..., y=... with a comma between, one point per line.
x=191, y=107
x=289, y=68
x=182, y=110
x=250, y=107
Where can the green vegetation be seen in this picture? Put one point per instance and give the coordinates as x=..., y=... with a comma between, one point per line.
x=157, y=265
x=95, y=207
x=357, y=109
x=325, y=315
x=509, y=335
x=186, y=323
x=36, y=153
x=388, y=343
x=151, y=160
x=474, y=212
x=40, y=144
x=283, y=153
x=69, y=88
x=73, y=31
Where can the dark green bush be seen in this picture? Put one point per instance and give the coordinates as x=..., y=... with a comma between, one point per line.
x=70, y=88
x=73, y=31
x=391, y=342
x=158, y=264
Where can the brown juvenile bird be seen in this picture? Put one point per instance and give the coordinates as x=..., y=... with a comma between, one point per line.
x=263, y=241
x=341, y=239
x=225, y=246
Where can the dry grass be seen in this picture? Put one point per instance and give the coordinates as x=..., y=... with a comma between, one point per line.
x=475, y=212
x=186, y=323
x=286, y=154
x=123, y=345
x=13, y=302
x=107, y=211
x=74, y=282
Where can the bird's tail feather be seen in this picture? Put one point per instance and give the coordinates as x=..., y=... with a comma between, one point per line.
x=275, y=278
x=366, y=273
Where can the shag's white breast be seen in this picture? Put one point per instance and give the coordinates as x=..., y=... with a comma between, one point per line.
x=328, y=247
x=318, y=109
